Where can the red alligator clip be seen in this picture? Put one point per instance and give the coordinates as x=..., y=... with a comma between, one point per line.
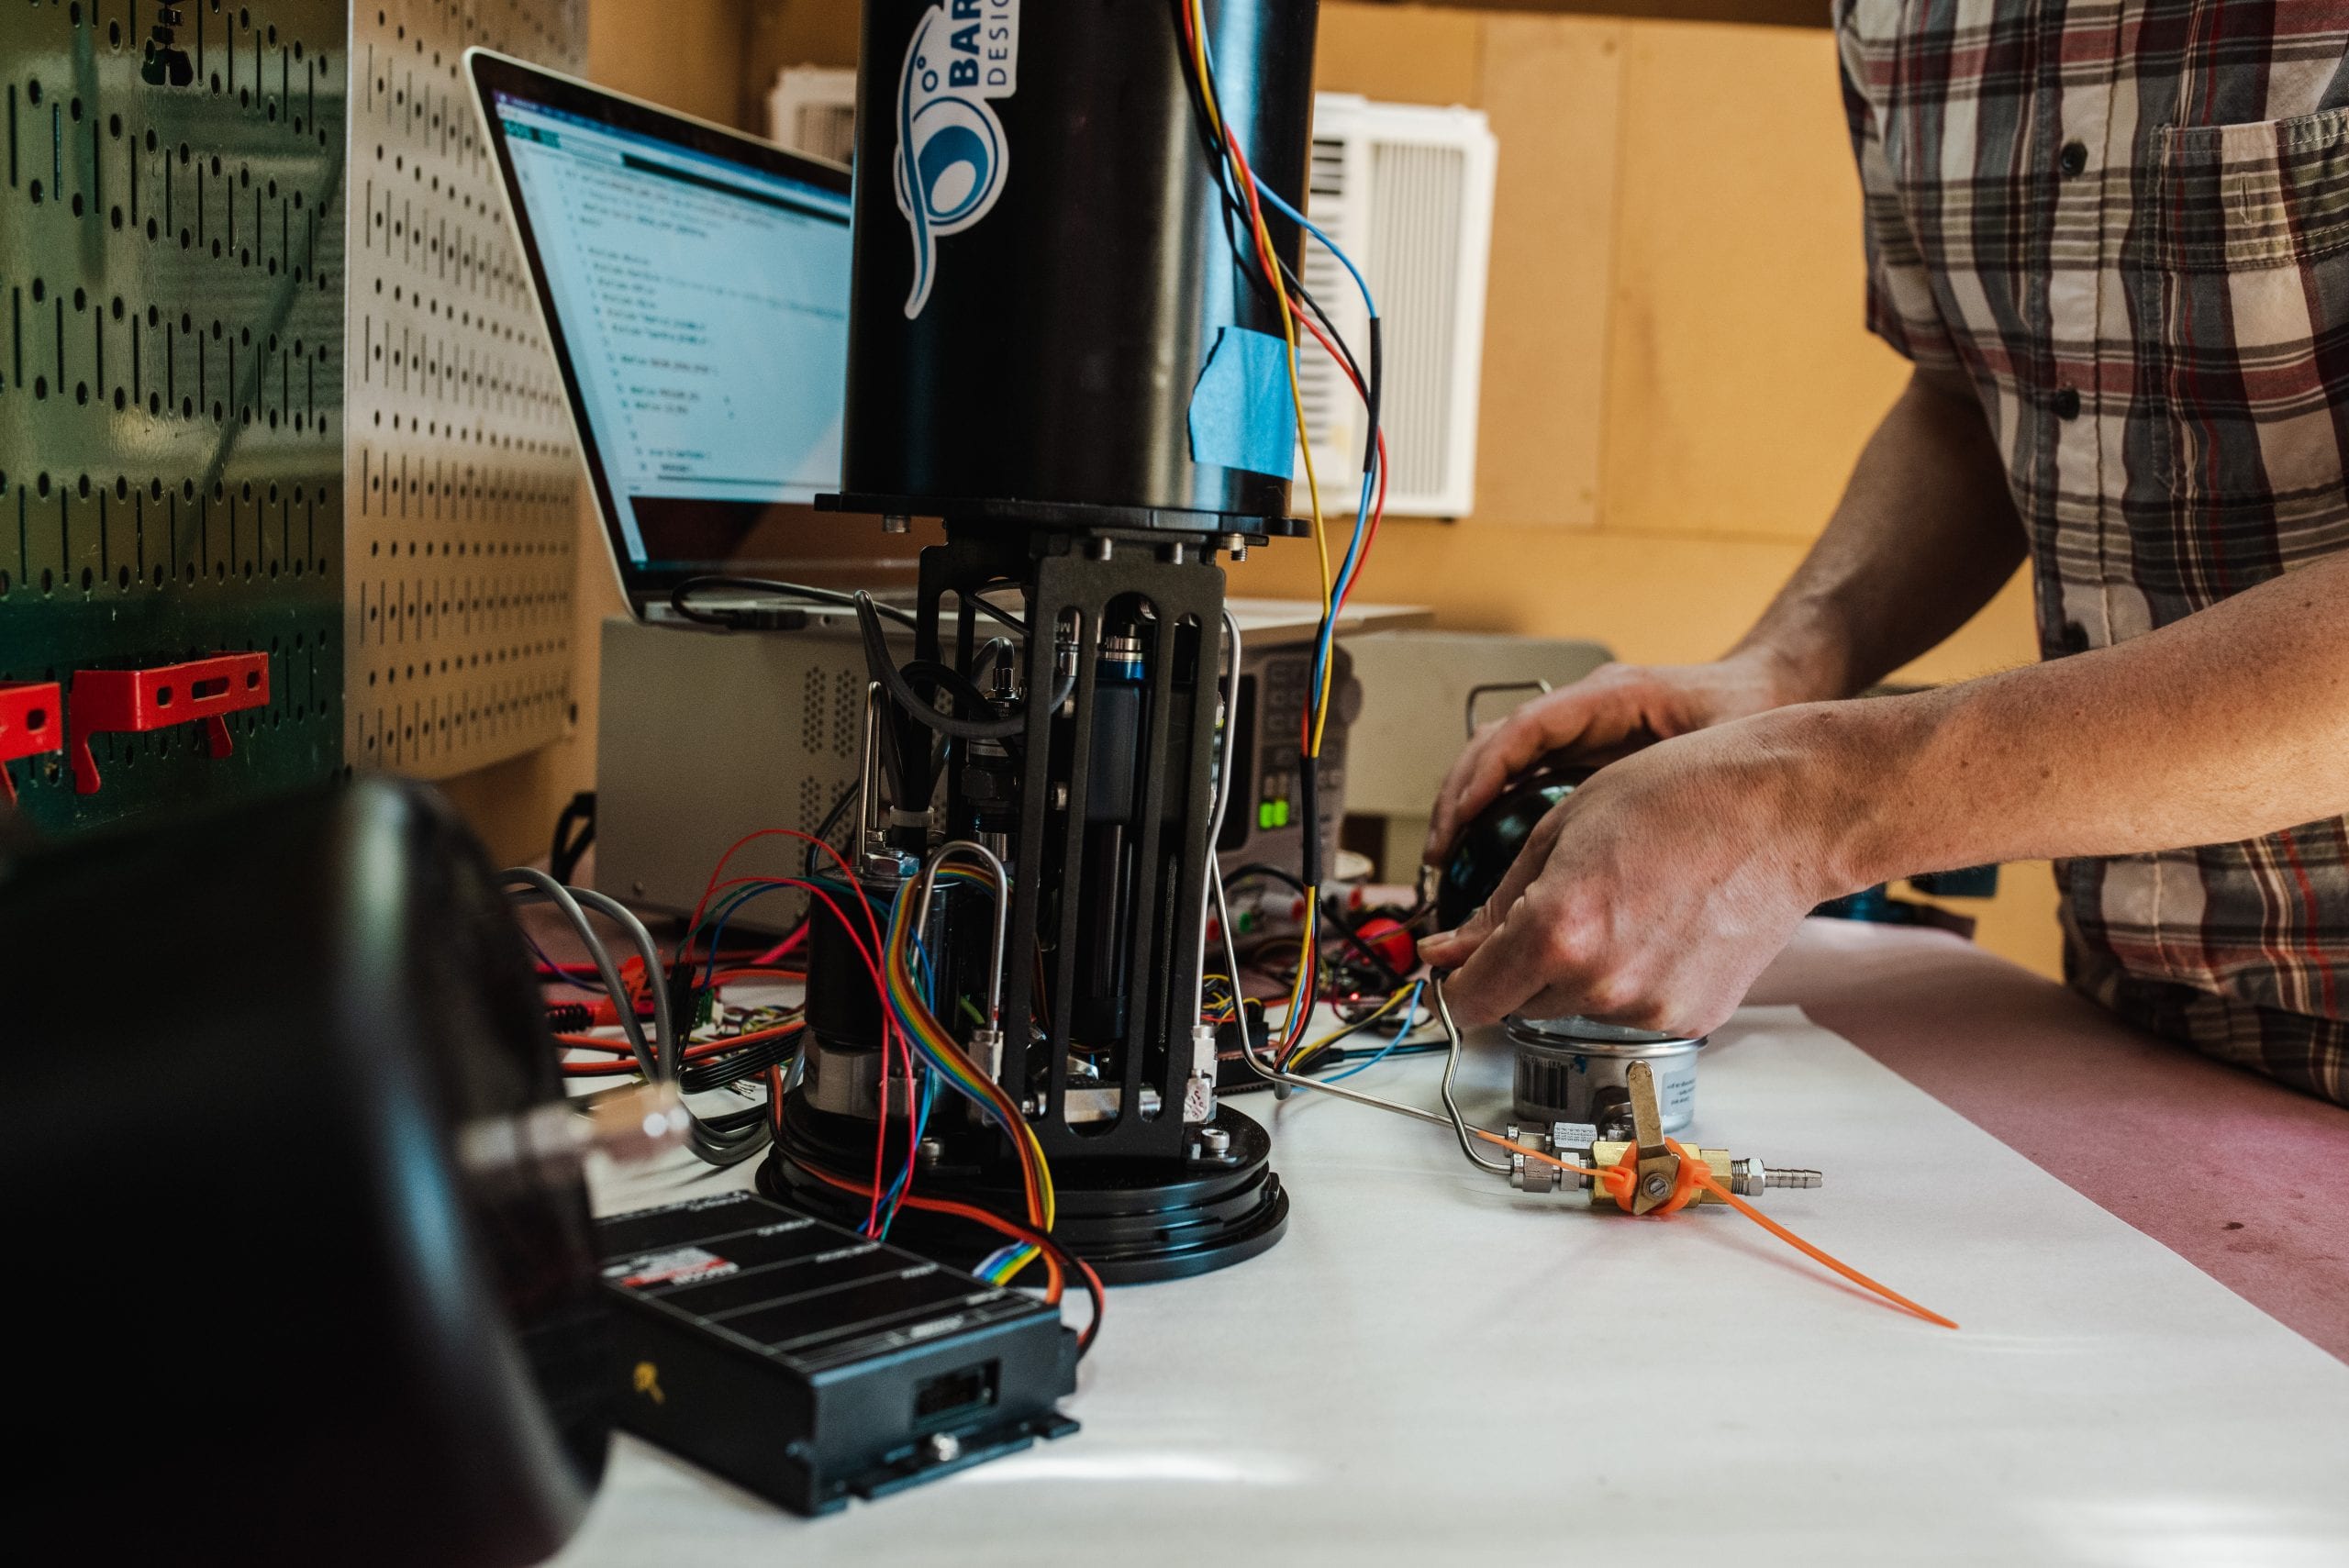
x=28, y=727
x=132, y=702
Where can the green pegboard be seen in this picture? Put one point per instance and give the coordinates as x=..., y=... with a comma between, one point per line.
x=172, y=379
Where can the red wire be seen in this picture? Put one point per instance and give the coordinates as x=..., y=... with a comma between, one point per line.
x=776, y=953
x=1003, y=1227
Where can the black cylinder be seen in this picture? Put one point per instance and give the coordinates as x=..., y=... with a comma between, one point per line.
x=267, y=1315
x=1044, y=270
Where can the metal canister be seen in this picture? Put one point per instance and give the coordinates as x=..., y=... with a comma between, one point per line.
x=1575, y=1070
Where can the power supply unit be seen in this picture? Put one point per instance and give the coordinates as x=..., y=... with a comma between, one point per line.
x=808, y=1364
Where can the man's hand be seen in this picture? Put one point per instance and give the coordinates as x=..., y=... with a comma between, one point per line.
x=1655, y=894
x=1609, y=714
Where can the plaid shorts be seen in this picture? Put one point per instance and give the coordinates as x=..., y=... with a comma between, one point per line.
x=2127, y=225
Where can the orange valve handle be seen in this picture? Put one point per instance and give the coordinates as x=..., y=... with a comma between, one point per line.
x=30, y=712
x=137, y=702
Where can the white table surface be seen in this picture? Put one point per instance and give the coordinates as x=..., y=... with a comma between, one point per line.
x=1430, y=1368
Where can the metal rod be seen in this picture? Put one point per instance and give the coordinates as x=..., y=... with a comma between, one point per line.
x=939, y=857
x=1451, y=1066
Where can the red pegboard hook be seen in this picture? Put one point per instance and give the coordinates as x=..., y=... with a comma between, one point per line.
x=135, y=702
x=30, y=713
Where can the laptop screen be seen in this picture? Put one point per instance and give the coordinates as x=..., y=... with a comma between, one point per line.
x=699, y=302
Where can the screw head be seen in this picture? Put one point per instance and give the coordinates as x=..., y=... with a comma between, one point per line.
x=1656, y=1185
x=945, y=1448
x=1215, y=1141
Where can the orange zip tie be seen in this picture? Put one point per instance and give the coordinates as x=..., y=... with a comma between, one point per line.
x=1696, y=1175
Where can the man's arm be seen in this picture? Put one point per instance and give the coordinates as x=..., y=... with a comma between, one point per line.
x=1657, y=892
x=1925, y=534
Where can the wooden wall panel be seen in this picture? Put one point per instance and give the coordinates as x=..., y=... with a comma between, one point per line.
x=1554, y=90
x=1741, y=383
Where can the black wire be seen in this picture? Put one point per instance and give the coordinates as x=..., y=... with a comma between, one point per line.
x=979, y=602
x=682, y=592
x=1385, y=970
x=916, y=707
x=723, y=1068
x=831, y=820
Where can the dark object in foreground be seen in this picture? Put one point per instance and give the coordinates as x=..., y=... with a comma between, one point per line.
x=264, y=1315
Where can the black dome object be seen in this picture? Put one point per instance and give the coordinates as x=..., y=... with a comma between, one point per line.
x=1486, y=849
x=264, y=1316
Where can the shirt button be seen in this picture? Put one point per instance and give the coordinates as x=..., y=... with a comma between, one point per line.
x=2068, y=403
x=2074, y=159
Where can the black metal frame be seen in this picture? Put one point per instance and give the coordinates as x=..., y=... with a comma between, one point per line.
x=1162, y=952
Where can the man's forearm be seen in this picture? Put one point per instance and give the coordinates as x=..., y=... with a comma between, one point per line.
x=2229, y=724
x=1925, y=534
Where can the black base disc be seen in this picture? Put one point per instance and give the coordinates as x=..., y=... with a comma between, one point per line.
x=1133, y=1221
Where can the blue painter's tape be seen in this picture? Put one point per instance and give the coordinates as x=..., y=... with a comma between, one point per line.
x=1242, y=414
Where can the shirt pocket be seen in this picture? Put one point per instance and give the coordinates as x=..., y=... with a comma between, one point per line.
x=2251, y=244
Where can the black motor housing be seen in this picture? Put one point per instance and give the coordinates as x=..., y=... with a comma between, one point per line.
x=1044, y=260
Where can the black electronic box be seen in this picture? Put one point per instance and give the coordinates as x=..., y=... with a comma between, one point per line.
x=808, y=1364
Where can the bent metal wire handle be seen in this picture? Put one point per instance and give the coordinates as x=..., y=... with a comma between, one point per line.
x=1477, y=694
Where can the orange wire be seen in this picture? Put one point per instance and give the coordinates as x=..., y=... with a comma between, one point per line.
x=1815, y=1254
x=1053, y=1282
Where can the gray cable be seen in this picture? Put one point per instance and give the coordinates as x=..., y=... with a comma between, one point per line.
x=1213, y=893
x=540, y=888
x=663, y=1060
x=711, y=1146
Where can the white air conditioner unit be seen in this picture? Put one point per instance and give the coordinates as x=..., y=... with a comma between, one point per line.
x=812, y=109
x=1407, y=191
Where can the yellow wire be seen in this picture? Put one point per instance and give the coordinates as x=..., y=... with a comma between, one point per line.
x=1327, y=1041
x=1296, y=385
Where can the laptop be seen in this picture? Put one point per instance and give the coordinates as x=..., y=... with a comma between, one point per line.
x=693, y=284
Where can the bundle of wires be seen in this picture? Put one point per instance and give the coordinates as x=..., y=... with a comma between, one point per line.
x=1246, y=197
x=910, y=1008
x=911, y=1033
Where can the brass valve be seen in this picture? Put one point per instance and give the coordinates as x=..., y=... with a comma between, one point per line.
x=1657, y=1166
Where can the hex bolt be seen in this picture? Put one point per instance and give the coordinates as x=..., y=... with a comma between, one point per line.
x=1214, y=1142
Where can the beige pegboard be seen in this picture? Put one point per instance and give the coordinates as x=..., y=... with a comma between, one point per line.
x=462, y=474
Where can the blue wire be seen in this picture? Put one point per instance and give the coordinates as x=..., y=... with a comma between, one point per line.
x=1411, y=1013
x=1273, y=198
x=1293, y=216
x=735, y=901
x=906, y=1173
x=1321, y=649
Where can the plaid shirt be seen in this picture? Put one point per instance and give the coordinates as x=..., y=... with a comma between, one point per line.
x=2127, y=225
